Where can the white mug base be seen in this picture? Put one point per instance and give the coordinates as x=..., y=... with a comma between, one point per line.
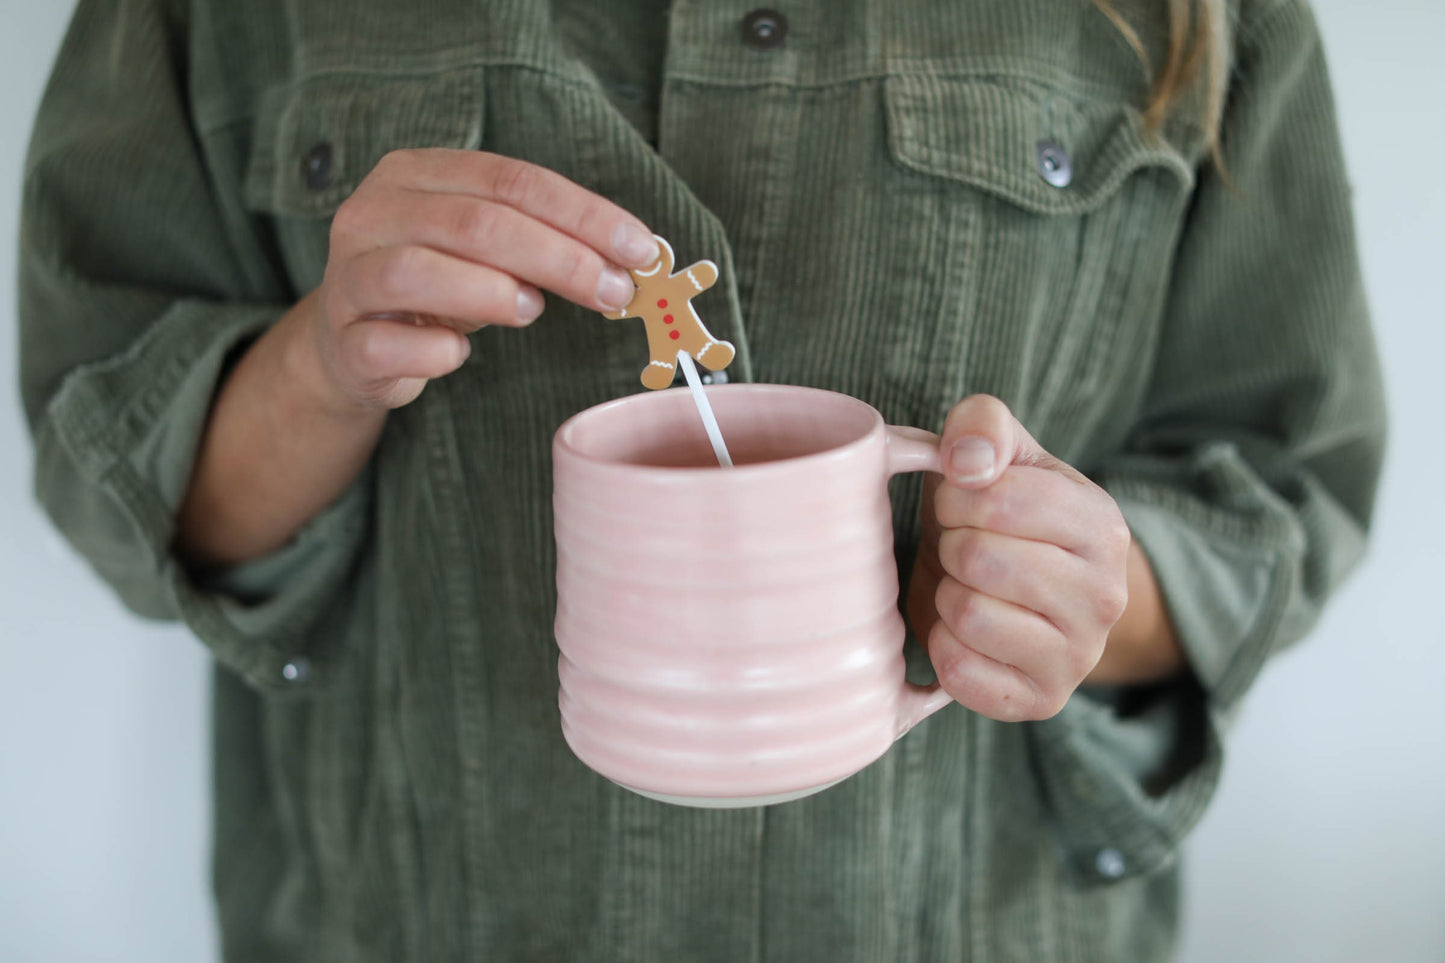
x=732, y=802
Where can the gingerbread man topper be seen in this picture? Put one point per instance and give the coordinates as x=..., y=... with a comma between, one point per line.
x=664, y=303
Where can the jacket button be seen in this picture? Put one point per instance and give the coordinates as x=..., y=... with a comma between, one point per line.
x=765, y=29
x=297, y=671
x=1110, y=863
x=1055, y=165
x=316, y=167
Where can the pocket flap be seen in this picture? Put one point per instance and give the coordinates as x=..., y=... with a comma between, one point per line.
x=987, y=133
x=347, y=123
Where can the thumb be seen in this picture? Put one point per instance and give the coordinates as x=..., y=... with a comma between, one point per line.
x=981, y=438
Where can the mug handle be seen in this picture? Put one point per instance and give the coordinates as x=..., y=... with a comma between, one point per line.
x=913, y=449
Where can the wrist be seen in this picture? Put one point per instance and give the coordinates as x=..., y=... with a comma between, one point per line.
x=1142, y=647
x=280, y=444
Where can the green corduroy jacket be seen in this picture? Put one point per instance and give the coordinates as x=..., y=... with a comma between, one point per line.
x=909, y=201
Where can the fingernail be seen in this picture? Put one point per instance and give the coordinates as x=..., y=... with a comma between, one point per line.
x=614, y=288
x=466, y=349
x=529, y=305
x=634, y=245
x=971, y=460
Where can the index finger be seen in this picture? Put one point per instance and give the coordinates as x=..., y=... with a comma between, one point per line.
x=538, y=192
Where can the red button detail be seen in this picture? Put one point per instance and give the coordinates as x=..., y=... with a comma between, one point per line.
x=662, y=302
x=674, y=334
x=667, y=319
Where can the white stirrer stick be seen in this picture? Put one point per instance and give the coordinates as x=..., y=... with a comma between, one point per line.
x=699, y=398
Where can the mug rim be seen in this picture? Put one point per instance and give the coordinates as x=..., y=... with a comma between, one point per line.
x=563, y=443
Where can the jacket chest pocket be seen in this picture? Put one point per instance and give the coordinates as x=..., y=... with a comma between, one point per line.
x=317, y=139
x=1065, y=217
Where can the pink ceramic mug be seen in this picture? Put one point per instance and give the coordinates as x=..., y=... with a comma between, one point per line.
x=731, y=636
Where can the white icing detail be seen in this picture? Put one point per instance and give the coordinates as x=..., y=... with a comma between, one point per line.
x=709, y=421
x=693, y=280
x=703, y=350
x=661, y=364
x=661, y=260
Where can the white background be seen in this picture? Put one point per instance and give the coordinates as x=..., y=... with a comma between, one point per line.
x=1326, y=843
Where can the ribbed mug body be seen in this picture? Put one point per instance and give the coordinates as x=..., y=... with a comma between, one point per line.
x=727, y=634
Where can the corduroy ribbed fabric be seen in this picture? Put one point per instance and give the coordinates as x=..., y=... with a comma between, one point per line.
x=391, y=781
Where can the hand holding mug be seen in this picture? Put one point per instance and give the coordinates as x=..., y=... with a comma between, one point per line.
x=1022, y=570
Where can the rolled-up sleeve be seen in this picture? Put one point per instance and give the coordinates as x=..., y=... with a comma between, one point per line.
x=140, y=282
x=1250, y=477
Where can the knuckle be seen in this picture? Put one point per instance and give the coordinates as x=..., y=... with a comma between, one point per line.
x=495, y=302
x=951, y=668
x=591, y=221
x=955, y=680
x=1110, y=603
x=395, y=272
x=949, y=505
x=961, y=609
x=974, y=615
x=976, y=404
x=498, y=291
x=978, y=564
x=395, y=163
x=350, y=218
x=944, y=602
x=977, y=412
x=1035, y=699
x=952, y=552
x=1081, y=659
x=335, y=312
x=579, y=268
x=1116, y=535
x=477, y=225
x=993, y=506
x=990, y=405
x=369, y=352
x=1046, y=704
x=515, y=181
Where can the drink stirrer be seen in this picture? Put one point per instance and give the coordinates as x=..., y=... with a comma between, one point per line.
x=704, y=408
x=663, y=300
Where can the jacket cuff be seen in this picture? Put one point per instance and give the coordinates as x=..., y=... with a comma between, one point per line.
x=1127, y=774
x=1129, y=771
x=114, y=456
